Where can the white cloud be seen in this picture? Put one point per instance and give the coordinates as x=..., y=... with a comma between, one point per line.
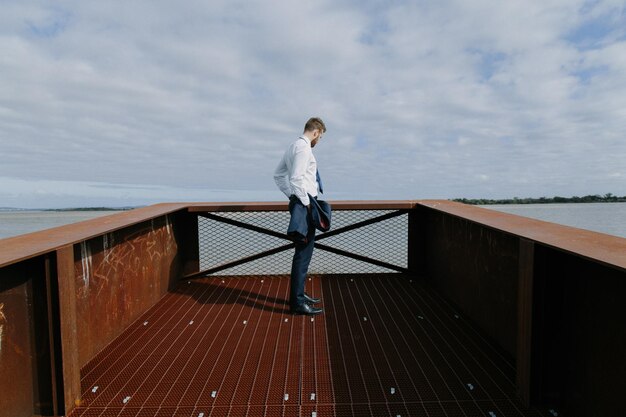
x=207, y=97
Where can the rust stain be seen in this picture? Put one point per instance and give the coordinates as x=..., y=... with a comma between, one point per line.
x=3, y=320
x=6, y=330
x=87, y=264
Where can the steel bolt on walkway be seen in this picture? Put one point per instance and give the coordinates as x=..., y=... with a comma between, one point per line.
x=227, y=346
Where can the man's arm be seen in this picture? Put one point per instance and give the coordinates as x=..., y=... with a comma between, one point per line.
x=298, y=172
x=281, y=178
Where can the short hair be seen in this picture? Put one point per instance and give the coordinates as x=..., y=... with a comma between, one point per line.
x=314, y=123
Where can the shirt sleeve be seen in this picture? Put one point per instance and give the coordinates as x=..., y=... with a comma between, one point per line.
x=281, y=178
x=298, y=172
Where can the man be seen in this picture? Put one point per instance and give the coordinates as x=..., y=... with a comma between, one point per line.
x=297, y=177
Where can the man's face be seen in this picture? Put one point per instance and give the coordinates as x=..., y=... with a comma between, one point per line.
x=317, y=135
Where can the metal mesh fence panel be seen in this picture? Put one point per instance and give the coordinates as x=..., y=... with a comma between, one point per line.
x=221, y=243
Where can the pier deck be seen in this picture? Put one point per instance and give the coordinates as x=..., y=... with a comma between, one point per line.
x=227, y=346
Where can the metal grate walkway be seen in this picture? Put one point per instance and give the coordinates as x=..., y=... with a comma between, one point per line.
x=226, y=346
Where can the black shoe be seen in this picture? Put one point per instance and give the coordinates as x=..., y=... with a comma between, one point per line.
x=306, y=310
x=311, y=300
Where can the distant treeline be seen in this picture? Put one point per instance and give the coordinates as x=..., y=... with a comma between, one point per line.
x=607, y=198
x=92, y=209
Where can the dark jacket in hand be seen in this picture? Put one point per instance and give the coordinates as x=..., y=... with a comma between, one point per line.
x=299, y=223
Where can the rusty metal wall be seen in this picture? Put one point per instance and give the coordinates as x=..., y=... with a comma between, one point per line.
x=551, y=296
x=476, y=269
x=24, y=342
x=60, y=306
x=118, y=276
x=580, y=336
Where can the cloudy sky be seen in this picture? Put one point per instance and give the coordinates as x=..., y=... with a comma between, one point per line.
x=137, y=102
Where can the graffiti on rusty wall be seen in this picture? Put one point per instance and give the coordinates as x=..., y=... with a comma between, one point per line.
x=118, y=276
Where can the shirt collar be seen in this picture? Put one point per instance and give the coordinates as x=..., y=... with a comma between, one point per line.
x=306, y=139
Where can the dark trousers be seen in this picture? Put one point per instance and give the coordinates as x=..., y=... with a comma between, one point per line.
x=300, y=266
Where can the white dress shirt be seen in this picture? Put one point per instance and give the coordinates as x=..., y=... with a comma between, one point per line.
x=296, y=172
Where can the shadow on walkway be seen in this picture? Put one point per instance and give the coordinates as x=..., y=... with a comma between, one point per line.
x=217, y=293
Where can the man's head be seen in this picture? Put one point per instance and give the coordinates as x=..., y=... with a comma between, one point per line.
x=314, y=129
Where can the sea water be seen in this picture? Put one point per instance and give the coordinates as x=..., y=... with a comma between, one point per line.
x=13, y=223
x=607, y=218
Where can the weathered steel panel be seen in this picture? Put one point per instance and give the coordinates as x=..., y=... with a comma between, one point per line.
x=598, y=247
x=186, y=232
x=476, y=268
x=118, y=276
x=40, y=327
x=25, y=361
x=568, y=286
x=16, y=371
x=582, y=334
x=68, y=331
x=19, y=248
x=417, y=240
x=525, y=377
